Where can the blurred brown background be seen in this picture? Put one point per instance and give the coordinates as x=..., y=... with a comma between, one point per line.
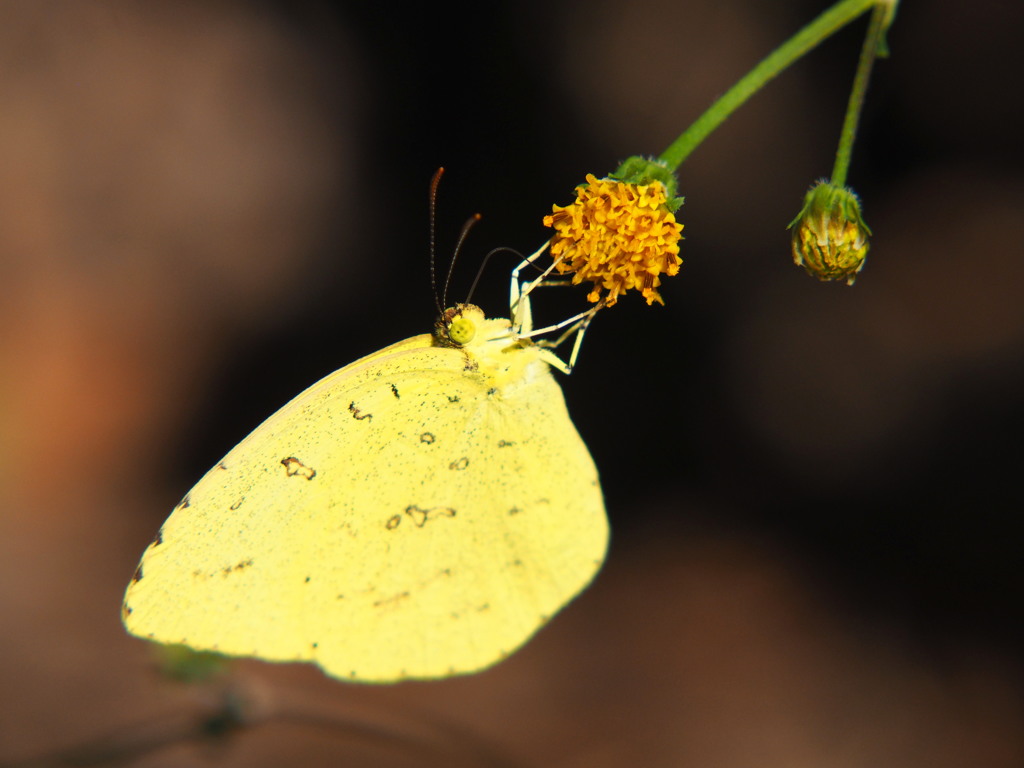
x=815, y=491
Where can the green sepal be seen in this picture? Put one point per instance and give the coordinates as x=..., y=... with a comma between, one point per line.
x=644, y=170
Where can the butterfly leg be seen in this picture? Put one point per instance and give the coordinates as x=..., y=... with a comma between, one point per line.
x=578, y=325
x=522, y=316
x=520, y=289
x=519, y=303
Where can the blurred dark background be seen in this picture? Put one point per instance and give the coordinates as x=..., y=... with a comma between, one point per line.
x=815, y=490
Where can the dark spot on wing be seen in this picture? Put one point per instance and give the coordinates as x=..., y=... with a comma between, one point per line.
x=460, y=464
x=227, y=570
x=453, y=398
x=427, y=437
x=394, y=390
x=357, y=413
x=514, y=511
x=309, y=579
x=393, y=522
x=505, y=443
x=420, y=516
x=293, y=467
x=492, y=391
x=314, y=646
x=237, y=504
x=223, y=466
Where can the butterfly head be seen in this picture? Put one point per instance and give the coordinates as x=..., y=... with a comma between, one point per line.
x=465, y=325
x=489, y=344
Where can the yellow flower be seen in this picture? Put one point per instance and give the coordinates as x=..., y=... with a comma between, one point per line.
x=830, y=238
x=617, y=236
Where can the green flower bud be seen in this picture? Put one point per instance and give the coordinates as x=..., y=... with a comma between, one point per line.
x=830, y=239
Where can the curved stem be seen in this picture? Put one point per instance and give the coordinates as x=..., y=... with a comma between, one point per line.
x=829, y=22
x=872, y=43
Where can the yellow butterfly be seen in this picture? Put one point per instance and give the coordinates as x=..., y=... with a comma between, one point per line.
x=419, y=513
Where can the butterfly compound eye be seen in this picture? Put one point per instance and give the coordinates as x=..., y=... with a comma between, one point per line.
x=461, y=330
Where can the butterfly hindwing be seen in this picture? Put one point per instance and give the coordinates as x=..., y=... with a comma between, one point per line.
x=401, y=518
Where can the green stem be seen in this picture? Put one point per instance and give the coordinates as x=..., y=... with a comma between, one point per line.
x=832, y=20
x=872, y=42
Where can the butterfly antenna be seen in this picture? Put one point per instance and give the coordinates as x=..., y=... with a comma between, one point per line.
x=458, y=249
x=433, y=235
x=483, y=266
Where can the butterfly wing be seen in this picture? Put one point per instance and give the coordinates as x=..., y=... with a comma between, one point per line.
x=402, y=518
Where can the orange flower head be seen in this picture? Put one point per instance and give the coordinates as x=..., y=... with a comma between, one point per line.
x=618, y=236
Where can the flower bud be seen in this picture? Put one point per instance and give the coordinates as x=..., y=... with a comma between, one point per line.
x=830, y=239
